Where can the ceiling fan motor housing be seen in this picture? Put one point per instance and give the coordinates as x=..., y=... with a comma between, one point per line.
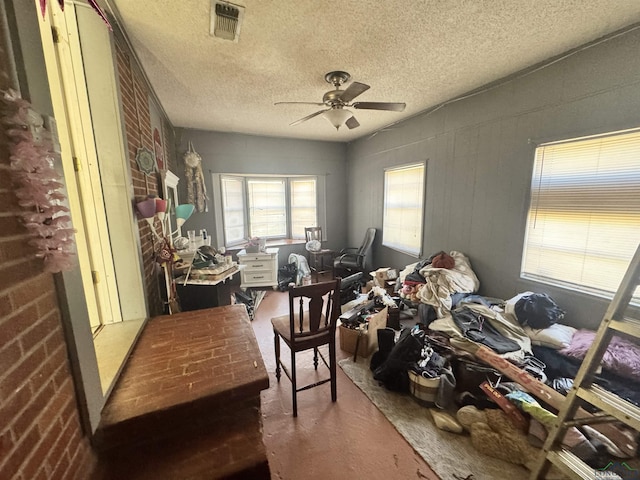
x=332, y=98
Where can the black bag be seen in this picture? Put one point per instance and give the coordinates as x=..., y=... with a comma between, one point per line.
x=538, y=311
x=471, y=374
x=286, y=276
x=393, y=372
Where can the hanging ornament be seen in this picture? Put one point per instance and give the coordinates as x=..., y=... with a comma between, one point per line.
x=196, y=189
x=99, y=11
x=32, y=155
x=93, y=3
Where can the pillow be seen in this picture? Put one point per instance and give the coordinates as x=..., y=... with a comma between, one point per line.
x=556, y=336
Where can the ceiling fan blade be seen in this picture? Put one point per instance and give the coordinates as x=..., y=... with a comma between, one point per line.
x=394, y=107
x=352, y=123
x=298, y=103
x=308, y=117
x=353, y=90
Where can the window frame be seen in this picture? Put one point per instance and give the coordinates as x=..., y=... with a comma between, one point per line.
x=220, y=221
x=536, y=196
x=406, y=248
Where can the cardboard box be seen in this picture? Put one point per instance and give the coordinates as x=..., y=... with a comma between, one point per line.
x=368, y=337
x=349, y=338
x=385, y=273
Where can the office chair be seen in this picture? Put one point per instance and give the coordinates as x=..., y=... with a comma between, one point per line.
x=353, y=260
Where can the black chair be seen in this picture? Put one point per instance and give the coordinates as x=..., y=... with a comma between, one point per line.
x=310, y=324
x=353, y=260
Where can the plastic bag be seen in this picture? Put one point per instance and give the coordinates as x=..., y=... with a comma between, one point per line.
x=287, y=276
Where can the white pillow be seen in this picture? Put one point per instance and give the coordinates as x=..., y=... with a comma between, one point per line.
x=556, y=336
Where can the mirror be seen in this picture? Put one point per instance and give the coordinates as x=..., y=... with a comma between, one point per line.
x=170, y=191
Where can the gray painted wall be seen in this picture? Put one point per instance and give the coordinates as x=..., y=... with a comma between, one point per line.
x=236, y=153
x=480, y=156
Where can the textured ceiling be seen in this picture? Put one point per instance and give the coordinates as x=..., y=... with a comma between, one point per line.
x=419, y=52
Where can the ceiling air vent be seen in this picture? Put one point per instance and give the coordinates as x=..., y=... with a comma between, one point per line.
x=225, y=20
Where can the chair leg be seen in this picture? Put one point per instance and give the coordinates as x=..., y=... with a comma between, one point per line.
x=315, y=358
x=332, y=370
x=294, y=385
x=276, y=342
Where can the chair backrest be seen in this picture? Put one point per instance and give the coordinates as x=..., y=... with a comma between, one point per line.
x=369, y=236
x=313, y=233
x=314, y=308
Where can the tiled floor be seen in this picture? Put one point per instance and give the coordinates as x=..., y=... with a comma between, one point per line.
x=349, y=439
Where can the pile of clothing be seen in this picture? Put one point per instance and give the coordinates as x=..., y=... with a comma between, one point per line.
x=526, y=330
x=432, y=281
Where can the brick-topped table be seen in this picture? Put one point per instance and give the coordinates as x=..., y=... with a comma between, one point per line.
x=193, y=382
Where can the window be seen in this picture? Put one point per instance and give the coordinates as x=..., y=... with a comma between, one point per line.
x=267, y=206
x=583, y=224
x=403, y=208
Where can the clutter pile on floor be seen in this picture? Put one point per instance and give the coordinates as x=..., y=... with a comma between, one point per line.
x=498, y=369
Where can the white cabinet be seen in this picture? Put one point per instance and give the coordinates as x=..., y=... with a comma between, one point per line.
x=260, y=269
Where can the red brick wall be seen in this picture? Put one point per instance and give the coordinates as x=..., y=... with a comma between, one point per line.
x=40, y=432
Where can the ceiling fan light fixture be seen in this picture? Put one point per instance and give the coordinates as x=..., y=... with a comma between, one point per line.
x=337, y=116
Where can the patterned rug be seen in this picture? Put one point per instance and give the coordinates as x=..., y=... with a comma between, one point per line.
x=448, y=454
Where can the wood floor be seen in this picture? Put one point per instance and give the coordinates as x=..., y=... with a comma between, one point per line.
x=349, y=439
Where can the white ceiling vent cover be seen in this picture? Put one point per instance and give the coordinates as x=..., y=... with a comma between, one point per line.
x=226, y=19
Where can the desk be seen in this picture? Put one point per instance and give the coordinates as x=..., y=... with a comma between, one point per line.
x=199, y=294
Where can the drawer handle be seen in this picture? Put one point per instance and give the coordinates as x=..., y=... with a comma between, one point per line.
x=258, y=266
x=258, y=277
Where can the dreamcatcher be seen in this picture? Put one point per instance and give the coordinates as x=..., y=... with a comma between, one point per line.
x=196, y=189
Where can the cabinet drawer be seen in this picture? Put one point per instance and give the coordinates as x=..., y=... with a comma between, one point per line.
x=258, y=277
x=259, y=264
x=255, y=257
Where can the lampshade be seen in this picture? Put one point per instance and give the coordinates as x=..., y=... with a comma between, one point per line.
x=183, y=212
x=161, y=208
x=337, y=116
x=146, y=208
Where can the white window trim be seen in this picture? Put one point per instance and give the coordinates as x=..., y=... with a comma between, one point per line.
x=400, y=248
x=321, y=210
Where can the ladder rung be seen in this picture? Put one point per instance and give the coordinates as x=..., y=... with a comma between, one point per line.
x=571, y=465
x=610, y=403
x=630, y=326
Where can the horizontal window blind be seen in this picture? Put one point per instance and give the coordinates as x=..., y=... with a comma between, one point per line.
x=233, y=209
x=583, y=223
x=403, y=208
x=303, y=205
x=267, y=208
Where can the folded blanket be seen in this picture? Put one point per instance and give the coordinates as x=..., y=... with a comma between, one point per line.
x=622, y=356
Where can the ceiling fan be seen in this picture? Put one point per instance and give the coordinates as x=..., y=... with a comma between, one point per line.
x=337, y=100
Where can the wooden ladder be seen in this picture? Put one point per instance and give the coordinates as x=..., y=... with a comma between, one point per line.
x=613, y=407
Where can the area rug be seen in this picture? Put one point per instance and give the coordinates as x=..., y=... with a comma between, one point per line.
x=448, y=454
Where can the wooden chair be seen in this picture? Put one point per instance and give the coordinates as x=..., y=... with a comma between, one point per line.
x=311, y=323
x=318, y=262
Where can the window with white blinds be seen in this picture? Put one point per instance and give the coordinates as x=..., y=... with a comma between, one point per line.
x=303, y=205
x=403, y=208
x=232, y=189
x=583, y=224
x=267, y=206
